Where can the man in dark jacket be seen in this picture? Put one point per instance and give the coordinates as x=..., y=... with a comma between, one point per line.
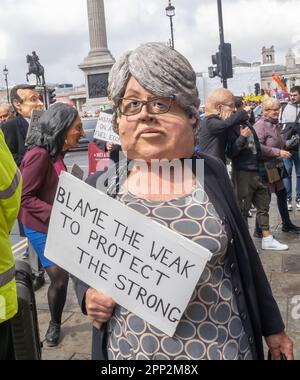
x=219, y=118
x=24, y=99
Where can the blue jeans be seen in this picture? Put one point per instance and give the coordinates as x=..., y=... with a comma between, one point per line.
x=288, y=162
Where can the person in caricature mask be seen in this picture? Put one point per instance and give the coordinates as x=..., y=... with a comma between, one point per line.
x=60, y=129
x=155, y=101
x=24, y=99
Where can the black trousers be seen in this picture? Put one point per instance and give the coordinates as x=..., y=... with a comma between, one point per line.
x=282, y=208
x=6, y=342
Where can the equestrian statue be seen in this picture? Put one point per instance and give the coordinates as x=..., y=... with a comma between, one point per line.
x=35, y=67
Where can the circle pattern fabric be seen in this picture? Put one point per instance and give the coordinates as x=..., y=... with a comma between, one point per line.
x=211, y=327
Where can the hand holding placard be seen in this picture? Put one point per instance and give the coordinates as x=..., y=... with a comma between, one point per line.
x=99, y=307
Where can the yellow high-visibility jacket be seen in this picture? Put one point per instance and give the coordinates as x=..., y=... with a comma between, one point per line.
x=10, y=198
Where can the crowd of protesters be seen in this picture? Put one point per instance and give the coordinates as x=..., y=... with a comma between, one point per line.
x=231, y=130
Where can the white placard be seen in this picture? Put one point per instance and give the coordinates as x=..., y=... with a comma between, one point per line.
x=104, y=130
x=145, y=267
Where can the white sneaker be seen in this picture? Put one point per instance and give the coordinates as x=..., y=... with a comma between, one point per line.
x=290, y=206
x=298, y=205
x=271, y=244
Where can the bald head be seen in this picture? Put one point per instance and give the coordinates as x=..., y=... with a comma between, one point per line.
x=7, y=112
x=217, y=101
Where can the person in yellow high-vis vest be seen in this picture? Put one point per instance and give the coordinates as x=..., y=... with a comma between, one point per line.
x=10, y=197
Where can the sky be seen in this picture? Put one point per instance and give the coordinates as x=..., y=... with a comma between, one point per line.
x=58, y=31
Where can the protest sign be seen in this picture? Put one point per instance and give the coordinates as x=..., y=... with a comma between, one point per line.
x=98, y=159
x=104, y=129
x=77, y=172
x=34, y=122
x=145, y=267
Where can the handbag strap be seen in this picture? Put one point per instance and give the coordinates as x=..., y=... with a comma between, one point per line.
x=297, y=118
x=279, y=135
x=259, y=156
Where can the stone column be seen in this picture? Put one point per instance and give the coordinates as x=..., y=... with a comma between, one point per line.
x=99, y=61
x=97, y=27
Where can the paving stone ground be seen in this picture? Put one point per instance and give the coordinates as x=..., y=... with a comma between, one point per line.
x=282, y=269
x=283, y=272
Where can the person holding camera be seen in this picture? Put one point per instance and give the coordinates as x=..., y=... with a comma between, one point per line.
x=290, y=120
x=220, y=117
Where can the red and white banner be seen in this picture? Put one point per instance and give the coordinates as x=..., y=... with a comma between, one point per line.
x=98, y=159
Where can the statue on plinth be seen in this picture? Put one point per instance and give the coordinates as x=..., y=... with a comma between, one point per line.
x=36, y=68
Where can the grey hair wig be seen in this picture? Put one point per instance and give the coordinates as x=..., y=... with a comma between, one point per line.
x=53, y=126
x=160, y=70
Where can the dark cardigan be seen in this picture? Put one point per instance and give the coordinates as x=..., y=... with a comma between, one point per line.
x=258, y=309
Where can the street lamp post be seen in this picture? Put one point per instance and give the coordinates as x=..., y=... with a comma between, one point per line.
x=170, y=12
x=5, y=73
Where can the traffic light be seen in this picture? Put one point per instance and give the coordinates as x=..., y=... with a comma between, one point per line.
x=51, y=95
x=226, y=54
x=222, y=62
x=257, y=89
x=212, y=72
x=215, y=70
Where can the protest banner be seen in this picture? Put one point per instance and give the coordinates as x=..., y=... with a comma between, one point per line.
x=145, y=267
x=98, y=159
x=104, y=130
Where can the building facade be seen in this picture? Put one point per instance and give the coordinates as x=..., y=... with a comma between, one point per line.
x=290, y=72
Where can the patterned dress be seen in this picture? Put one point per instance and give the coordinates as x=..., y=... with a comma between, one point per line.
x=211, y=327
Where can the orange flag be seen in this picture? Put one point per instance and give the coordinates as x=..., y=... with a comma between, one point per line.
x=278, y=80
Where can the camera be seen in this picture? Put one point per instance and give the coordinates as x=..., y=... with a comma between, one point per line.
x=293, y=142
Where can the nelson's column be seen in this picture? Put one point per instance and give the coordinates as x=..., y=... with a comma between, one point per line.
x=99, y=61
